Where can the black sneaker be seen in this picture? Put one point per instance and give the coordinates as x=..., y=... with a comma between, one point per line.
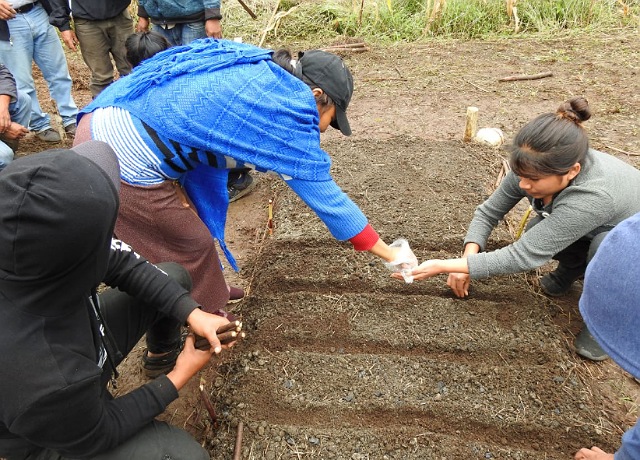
x=240, y=186
x=558, y=282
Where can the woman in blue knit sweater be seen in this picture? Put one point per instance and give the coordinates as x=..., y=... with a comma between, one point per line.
x=191, y=113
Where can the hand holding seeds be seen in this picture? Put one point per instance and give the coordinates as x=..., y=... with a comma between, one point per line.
x=405, y=260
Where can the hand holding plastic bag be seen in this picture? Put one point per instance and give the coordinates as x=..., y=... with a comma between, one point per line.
x=405, y=260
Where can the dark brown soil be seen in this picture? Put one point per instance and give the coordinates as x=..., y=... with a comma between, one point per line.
x=343, y=362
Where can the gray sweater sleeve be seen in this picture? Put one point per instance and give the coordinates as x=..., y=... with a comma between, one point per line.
x=577, y=211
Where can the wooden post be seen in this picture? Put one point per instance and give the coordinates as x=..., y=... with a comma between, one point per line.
x=471, y=125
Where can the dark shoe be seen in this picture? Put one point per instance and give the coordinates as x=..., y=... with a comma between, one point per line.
x=235, y=294
x=587, y=347
x=558, y=282
x=49, y=135
x=240, y=186
x=159, y=365
x=70, y=131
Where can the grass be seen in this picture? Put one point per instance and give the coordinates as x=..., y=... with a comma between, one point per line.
x=385, y=21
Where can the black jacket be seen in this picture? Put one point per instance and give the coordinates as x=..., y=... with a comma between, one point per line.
x=57, y=215
x=92, y=10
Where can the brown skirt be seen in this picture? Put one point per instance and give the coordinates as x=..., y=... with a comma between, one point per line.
x=160, y=223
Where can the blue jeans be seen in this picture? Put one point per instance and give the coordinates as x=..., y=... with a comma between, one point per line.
x=20, y=112
x=34, y=39
x=182, y=34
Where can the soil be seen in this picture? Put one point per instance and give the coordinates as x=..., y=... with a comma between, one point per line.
x=341, y=361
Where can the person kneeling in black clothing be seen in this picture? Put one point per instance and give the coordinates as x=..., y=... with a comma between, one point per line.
x=61, y=342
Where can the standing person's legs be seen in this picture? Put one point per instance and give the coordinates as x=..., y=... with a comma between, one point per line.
x=95, y=46
x=17, y=55
x=120, y=28
x=49, y=55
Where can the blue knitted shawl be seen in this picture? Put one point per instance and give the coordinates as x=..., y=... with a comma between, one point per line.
x=230, y=99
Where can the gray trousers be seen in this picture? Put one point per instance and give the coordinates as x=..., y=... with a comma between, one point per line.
x=99, y=41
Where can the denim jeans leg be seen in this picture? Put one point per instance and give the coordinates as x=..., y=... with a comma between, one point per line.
x=17, y=55
x=95, y=48
x=6, y=155
x=49, y=56
x=20, y=109
x=170, y=34
x=192, y=31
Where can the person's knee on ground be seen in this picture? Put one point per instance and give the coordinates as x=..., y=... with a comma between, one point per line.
x=156, y=441
x=572, y=263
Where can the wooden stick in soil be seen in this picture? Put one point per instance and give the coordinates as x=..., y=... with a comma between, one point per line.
x=209, y=407
x=237, y=451
x=471, y=125
x=536, y=76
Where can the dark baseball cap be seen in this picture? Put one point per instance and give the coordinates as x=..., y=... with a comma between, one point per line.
x=328, y=72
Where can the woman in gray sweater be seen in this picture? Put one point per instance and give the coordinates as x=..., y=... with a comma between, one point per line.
x=578, y=195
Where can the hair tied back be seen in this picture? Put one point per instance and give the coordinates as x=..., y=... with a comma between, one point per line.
x=575, y=109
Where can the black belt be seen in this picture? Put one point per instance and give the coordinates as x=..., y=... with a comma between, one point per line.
x=25, y=8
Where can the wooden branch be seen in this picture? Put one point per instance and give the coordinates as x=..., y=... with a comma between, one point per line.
x=536, y=76
x=247, y=9
x=471, y=124
x=237, y=451
x=623, y=151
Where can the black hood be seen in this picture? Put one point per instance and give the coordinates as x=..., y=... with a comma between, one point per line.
x=57, y=215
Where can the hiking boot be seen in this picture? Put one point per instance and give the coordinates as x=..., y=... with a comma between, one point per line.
x=587, y=347
x=48, y=135
x=558, y=282
x=70, y=131
x=240, y=186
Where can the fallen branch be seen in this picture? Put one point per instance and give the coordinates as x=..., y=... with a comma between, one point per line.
x=536, y=76
x=623, y=151
x=237, y=451
x=247, y=9
x=353, y=47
